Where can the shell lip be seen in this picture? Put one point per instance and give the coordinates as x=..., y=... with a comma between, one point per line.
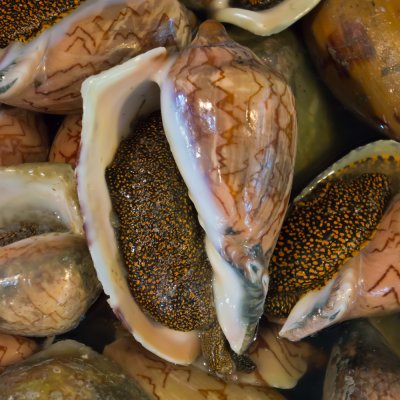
x=101, y=135
x=338, y=299
x=266, y=22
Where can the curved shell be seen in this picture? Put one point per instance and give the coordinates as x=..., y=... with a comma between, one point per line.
x=262, y=185
x=14, y=349
x=355, y=45
x=46, y=74
x=65, y=146
x=23, y=136
x=69, y=370
x=319, y=121
x=368, y=284
x=164, y=381
x=101, y=135
x=235, y=147
x=47, y=277
x=265, y=22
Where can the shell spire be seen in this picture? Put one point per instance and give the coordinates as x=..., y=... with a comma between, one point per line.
x=234, y=145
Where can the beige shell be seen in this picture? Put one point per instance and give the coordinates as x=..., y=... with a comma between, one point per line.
x=164, y=381
x=47, y=279
x=46, y=74
x=65, y=146
x=23, y=136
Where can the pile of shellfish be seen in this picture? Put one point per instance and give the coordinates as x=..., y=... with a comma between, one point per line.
x=200, y=199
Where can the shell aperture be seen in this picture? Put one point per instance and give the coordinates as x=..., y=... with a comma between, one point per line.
x=23, y=20
x=159, y=236
x=161, y=240
x=322, y=231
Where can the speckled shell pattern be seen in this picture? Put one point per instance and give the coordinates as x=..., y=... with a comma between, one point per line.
x=241, y=137
x=46, y=74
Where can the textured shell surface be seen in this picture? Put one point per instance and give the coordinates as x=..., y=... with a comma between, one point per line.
x=260, y=117
x=235, y=148
x=47, y=277
x=23, y=136
x=66, y=370
x=367, y=282
x=46, y=73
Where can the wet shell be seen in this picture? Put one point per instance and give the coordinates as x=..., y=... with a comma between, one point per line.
x=14, y=349
x=47, y=276
x=163, y=381
x=23, y=137
x=234, y=146
x=260, y=191
x=68, y=370
x=46, y=74
x=65, y=146
x=367, y=282
x=261, y=17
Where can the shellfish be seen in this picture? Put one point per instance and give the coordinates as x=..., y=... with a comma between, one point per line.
x=66, y=370
x=82, y=38
x=337, y=255
x=234, y=147
x=262, y=17
x=47, y=279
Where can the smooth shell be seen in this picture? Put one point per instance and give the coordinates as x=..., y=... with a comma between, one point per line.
x=163, y=381
x=23, y=136
x=355, y=45
x=234, y=146
x=46, y=74
x=47, y=277
x=14, y=349
x=263, y=22
x=65, y=146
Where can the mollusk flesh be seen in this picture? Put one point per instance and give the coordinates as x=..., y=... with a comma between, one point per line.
x=47, y=280
x=261, y=17
x=349, y=266
x=45, y=74
x=240, y=198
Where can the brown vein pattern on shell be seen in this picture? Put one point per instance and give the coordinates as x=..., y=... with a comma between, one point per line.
x=245, y=134
x=65, y=146
x=23, y=137
x=97, y=43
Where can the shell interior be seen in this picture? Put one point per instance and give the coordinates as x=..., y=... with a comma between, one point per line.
x=319, y=309
x=127, y=91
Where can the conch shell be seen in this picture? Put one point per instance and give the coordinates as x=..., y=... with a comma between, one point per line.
x=367, y=282
x=212, y=126
x=46, y=73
